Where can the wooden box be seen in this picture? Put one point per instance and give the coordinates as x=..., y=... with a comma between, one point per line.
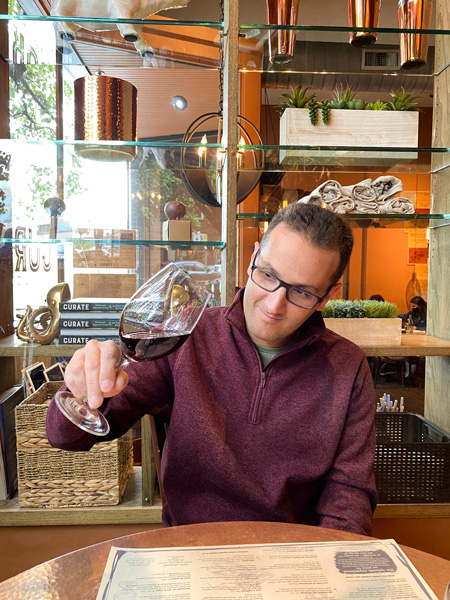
x=368, y=332
x=52, y=478
x=106, y=255
x=107, y=285
x=368, y=128
x=176, y=231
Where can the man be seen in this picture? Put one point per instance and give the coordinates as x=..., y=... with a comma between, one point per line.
x=272, y=416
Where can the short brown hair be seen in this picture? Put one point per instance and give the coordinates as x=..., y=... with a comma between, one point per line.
x=322, y=228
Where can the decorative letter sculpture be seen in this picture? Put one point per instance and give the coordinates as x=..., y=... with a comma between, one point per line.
x=41, y=325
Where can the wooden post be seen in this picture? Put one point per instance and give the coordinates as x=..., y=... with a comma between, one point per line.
x=7, y=367
x=230, y=134
x=363, y=264
x=437, y=380
x=148, y=462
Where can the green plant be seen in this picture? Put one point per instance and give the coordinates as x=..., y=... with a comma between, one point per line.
x=326, y=111
x=359, y=309
x=378, y=105
x=342, y=96
x=402, y=101
x=356, y=104
x=313, y=108
x=298, y=99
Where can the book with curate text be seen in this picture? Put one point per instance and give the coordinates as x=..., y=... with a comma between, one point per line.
x=85, y=338
x=87, y=321
x=89, y=331
x=93, y=305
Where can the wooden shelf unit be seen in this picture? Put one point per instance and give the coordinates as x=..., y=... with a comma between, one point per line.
x=131, y=511
x=412, y=345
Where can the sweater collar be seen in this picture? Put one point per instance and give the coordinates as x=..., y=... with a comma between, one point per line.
x=308, y=333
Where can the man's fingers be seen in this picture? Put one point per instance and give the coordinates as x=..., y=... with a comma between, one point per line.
x=74, y=375
x=110, y=356
x=121, y=382
x=92, y=359
x=92, y=372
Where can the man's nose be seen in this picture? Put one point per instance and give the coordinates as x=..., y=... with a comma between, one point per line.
x=277, y=300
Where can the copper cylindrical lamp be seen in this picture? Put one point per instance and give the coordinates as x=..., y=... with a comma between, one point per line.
x=105, y=110
x=363, y=13
x=414, y=14
x=281, y=42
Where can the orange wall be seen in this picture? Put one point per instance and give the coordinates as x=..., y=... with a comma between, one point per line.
x=387, y=270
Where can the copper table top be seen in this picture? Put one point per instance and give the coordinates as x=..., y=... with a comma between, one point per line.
x=77, y=575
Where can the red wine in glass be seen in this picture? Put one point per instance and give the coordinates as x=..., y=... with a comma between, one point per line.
x=142, y=345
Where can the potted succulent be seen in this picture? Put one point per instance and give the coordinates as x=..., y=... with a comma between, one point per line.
x=348, y=121
x=364, y=322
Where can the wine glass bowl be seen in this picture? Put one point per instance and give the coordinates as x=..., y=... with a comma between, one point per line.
x=156, y=321
x=161, y=314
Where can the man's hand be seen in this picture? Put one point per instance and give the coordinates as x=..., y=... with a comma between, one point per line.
x=92, y=372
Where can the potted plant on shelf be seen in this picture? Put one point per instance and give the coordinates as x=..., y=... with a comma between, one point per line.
x=348, y=121
x=364, y=322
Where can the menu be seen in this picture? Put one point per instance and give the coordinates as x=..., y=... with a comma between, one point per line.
x=373, y=569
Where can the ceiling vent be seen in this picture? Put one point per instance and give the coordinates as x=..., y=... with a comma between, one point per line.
x=380, y=60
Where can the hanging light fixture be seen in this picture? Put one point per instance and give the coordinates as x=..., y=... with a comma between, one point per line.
x=281, y=41
x=202, y=167
x=414, y=14
x=105, y=110
x=363, y=13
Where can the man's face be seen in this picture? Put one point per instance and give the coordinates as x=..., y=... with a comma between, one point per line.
x=272, y=320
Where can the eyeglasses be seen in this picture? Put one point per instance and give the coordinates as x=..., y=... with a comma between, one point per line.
x=268, y=282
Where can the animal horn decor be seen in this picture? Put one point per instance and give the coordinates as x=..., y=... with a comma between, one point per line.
x=111, y=9
x=41, y=325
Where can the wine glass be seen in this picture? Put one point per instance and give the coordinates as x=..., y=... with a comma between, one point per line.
x=155, y=321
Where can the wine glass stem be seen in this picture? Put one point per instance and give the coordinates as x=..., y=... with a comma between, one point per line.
x=123, y=362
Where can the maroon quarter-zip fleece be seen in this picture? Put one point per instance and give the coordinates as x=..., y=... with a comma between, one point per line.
x=294, y=442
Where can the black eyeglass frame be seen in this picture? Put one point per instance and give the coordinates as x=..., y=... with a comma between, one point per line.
x=286, y=286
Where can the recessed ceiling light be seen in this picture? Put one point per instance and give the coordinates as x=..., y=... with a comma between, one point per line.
x=179, y=103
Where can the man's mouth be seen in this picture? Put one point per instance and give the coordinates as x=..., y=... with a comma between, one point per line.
x=269, y=317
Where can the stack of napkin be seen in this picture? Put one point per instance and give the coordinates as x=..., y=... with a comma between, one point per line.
x=367, y=196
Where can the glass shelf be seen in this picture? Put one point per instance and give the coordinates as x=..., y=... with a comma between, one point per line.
x=346, y=159
x=324, y=52
x=213, y=145
x=36, y=40
x=280, y=159
x=80, y=242
x=252, y=27
x=369, y=216
x=366, y=221
x=109, y=21
x=9, y=144
x=264, y=28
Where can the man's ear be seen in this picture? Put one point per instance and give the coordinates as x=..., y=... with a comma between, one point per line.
x=330, y=295
x=252, y=258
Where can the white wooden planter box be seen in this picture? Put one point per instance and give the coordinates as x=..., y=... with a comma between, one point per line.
x=370, y=128
x=368, y=332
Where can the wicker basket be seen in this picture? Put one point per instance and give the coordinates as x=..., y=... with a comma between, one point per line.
x=52, y=478
x=412, y=460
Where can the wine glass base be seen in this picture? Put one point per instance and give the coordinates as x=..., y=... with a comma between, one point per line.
x=80, y=414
